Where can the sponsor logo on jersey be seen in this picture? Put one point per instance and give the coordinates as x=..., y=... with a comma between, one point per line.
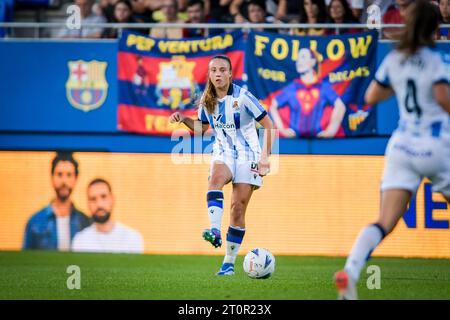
x=228, y=125
x=221, y=125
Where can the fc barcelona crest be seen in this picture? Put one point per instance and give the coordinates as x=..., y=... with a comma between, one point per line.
x=86, y=87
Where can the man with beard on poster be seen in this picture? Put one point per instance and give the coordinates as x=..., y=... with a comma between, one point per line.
x=105, y=234
x=54, y=227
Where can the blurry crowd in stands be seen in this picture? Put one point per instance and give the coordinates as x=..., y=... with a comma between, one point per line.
x=235, y=11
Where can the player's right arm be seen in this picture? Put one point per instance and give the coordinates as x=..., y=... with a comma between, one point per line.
x=380, y=88
x=377, y=93
x=195, y=125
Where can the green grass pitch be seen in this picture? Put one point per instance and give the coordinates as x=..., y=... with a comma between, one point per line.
x=42, y=275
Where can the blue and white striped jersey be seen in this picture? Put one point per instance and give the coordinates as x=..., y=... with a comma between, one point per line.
x=412, y=78
x=233, y=122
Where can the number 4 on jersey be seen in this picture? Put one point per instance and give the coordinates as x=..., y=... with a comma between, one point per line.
x=411, y=98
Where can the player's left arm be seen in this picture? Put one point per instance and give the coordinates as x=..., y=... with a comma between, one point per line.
x=441, y=83
x=264, y=164
x=441, y=92
x=335, y=121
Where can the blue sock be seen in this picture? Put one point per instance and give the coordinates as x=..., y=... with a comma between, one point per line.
x=234, y=240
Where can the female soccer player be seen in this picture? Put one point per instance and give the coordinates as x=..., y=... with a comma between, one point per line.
x=420, y=146
x=237, y=156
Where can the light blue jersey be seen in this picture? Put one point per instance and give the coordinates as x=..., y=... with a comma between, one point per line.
x=233, y=122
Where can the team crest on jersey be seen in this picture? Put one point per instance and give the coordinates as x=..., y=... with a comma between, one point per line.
x=86, y=87
x=254, y=167
x=235, y=104
x=176, y=87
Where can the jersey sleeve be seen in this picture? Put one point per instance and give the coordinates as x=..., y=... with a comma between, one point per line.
x=329, y=94
x=440, y=70
x=382, y=74
x=202, y=115
x=282, y=98
x=253, y=107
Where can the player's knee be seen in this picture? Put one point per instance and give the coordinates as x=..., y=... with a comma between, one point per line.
x=216, y=182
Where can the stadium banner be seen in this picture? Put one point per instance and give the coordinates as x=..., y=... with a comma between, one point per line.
x=314, y=86
x=51, y=105
x=159, y=76
x=322, y=215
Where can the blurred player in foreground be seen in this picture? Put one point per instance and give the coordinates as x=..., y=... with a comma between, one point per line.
x=237, y=156
x=420, y=146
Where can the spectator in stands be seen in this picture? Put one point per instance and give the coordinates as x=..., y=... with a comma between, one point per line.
x=196, y=14
x=357, y=7
x=101, y=9
x=54, y=227
x=105, y=234
x=312, y=11
x=444, y=8
x=6, y=14
x=87, y=16
x=395, y=14
x=142, y=12
x=158, y=14
x=154, y=5
x=278, y=8
x=107, y=8
x=182, y=5
x=219, y=10
x=292, y=7
x=254, y=11
x=274, y=9
x=170, y=15
x=339, y=12
x=122, y=14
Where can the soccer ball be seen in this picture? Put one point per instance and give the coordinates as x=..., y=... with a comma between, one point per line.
x=259, y=263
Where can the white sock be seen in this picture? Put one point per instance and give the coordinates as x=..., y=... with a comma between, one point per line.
x=234, y=240
x=214, y=199
x=367, y=241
